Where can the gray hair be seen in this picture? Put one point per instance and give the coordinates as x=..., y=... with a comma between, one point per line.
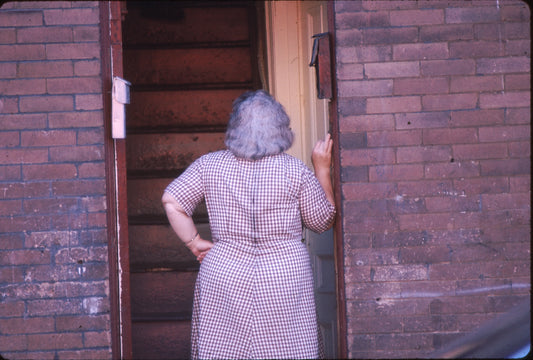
x=258, y=126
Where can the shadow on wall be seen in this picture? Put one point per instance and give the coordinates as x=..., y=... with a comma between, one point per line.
x=506, y=336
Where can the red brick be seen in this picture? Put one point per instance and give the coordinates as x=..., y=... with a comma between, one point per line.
x=448, y=32
x=447, y=67
x=21, y=18
x=390, y=35
x=9, y=105
x=87, y=68
x=23, y=121
x=504, y=201
x=365, y=88
x=369, y=325
x=395, y=69
x=97, y=220
x=55, y=341
x=480, y=151
x=476, y=83
x=518, y=116
x=80, y=188
x=395, y=172
x=516, y=30
x=425, y=187
x=367, y=123
x=364, y=54
x=46, y=103
x=417, y=17
x=387, y=5
x=425, y=221
x=45, y=69
x=458, y=203
x=10, y=207
x=520, y=149
x=9, y=139
x=450, y=136
x=472, y=15
x=373, y=290
x=8, y=36
x=452, y=170
x=365, y=257
x=74, y=85
x=49, y=239
x=89, y=102
x=73, y=221
x=92, y=136
x=449, y=102
x=97, y=339
x=477, y=117
x=10, y=173
x=506, y=99
x=518, y=47
x=25, y=190
x=358, y=20
x=518, y=82
x=12, y=308
x=394, y=138
x=520, y=184
x=50, y=206
x=393, y=104
x=85, y=354
x=367, y=191
x=84, y=16
x=367, y=157
x=21, y=52
x=505, y=167
x=482, y=185
x=476, y=49
x=48, y=138
x=23, y=156
x=7, y=71
x=423, y=154
x=11, y=241
x=82, y=323
x=504, y=133
x=25, y=257
x=76, y=119
x=44, y=34
x=13, y=343
x=348, y=37
x=27, y=325
x=422, y=120
x=503, y=65
x=91, y=170
x=86, y=33
x=420, y=86
x=23, y=86
x=72, y=51
x=54, y=307
x=49, y=171
x=77, y=153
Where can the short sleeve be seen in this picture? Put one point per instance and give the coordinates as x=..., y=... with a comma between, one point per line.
x=317, y=212
x=188, y=188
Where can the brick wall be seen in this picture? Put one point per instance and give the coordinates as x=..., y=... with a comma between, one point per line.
x=434, y=118
x=54, y=288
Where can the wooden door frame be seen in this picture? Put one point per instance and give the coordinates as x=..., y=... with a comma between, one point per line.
x=115, y=162
x=283, y=26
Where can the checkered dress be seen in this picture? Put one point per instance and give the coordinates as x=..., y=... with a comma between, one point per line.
x=254, y=292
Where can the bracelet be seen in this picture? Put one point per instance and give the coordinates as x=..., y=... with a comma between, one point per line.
x=193, y=238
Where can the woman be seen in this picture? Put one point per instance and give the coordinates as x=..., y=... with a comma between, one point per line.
x=254, y=291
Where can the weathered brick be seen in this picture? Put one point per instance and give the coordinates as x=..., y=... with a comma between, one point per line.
x=91, y=170
x=89, y=102
x=8, y=70
x=8, y=36
x=22, y=156
x=517, y=82
x=21, y=52
x=504, y=133
x=476, y=49
x=422, y=120
x=520, y=184
x=25, y=190
x=360, y=157
x=87, y=68
x=367, y=123
x=44, y=34
x=518, y=47
x=394, y=104
x=425, y=221
x=368, y=191
x=505, y=99
x=9, y=105
x=77, y=153
x=447, y=67
x=95, y=339
x=71, y=16
x=97, y=220
x=423, y=154
x=458, y=203
x=9, y=139
x=360, y=20
x=396, y=69
x=448, y=32
x=82, y=323
x=23, y=121
x=504, y=201
x=72, y=51
x=55, y=341
x=85, y=354
x=348, y=37
x=11, y=308
x=450, y=136
x=23, y=86
x=368, y=325
x=82, y=187
x=50, y=206
x=49, y=171
x=45, y=69
x=417, y=17
x=27, y=325
x=74, y=85
x=503, y=65
x=517, y=116
x=421, y=86
x=76, y=119
x=25, y=257
x=13, y=343
x=477, y=117
x=10, y=173
x=389, y=35
x=48, y=138
x=353, y=140
x=352, y=106
x=365, y=88
x=48, y=239
x=86, y=33
x=455, y=169
x=394, y=138
x=392, y=342
x=472, y=15
x=482, y=185
x=395, y=172
x=449, y=102
x=11, y=207
x=362, y=54
x=480, y=151
x=476, y=83
x=21, y=18
x=46, y=103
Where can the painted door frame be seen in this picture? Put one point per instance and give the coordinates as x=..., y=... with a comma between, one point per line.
x=111, y=13
x=287, y=72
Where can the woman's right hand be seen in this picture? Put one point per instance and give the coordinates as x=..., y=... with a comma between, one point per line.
x=200, y=247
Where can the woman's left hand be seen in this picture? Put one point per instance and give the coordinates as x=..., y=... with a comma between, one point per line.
x=200, y=248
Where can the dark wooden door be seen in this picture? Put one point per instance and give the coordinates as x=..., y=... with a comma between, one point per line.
x=187, y=61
